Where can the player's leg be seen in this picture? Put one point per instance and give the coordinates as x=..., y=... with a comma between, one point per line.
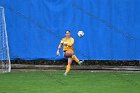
x=68, y=54
x=76, y=59
x=68, y=67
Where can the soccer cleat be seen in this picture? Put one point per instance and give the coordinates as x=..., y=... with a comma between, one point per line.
x=65, y=74
x=81, y=62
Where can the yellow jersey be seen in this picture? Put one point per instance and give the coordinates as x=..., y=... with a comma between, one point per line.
x=69, y=45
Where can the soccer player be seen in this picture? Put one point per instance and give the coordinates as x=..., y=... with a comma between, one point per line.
x=68, y=50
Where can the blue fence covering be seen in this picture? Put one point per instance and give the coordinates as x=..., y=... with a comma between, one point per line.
x=35, y=28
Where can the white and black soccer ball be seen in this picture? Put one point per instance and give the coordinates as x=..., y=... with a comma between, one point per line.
x=80, y=34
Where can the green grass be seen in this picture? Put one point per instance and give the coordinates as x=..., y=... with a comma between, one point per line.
x=75, y=82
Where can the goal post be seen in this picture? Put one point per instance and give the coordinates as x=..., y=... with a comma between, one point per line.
x=5, y=63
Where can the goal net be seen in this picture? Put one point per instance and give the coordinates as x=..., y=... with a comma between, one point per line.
x=5, y=64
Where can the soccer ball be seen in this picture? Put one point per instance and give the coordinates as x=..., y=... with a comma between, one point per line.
x=80, y=34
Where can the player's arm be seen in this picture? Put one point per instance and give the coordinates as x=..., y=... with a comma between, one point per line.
x=59, y=47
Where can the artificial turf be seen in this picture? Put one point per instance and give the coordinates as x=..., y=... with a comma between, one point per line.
x=75, y=82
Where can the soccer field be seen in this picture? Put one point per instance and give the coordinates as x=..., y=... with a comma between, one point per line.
x=75, y=82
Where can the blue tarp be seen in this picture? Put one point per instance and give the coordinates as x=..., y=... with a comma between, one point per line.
x=35, y=28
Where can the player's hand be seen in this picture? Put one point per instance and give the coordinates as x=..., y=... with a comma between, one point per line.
x=58, y=53
x=65, y=43
x=62, y=42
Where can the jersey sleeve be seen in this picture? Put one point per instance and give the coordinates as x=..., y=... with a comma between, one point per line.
x=71, y=42
x=61, y=44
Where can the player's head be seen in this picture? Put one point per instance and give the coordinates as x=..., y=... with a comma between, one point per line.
x=67, y=33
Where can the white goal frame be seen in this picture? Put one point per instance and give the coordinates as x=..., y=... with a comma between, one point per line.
x=7, y=65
